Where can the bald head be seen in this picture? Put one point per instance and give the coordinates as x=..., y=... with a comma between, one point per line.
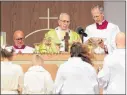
x=18, y=38
x=18, y=32
x=120, y=40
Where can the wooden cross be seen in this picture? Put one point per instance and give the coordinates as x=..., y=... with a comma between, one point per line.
x=48, y=18
x=66, y=39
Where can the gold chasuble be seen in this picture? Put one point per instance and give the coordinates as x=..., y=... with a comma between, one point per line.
x=53, y=40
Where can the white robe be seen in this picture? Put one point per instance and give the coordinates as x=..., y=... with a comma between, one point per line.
x=76, y=77
x=27, y=49
x=112, y=75
x=37, y=81
x=11, y=78
x=107, y=34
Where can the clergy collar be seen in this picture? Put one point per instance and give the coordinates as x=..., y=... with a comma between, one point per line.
x=103, y=25
x=22, y=47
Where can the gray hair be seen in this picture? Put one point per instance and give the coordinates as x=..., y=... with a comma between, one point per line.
x=63, y=14
x=101, y=9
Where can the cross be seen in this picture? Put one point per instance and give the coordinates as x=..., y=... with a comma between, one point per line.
x=48, y=18
x=66, y=38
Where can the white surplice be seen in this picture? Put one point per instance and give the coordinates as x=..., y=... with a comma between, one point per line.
x=11, y=78
x=37, y=81
x=112, y=75
x=76, y=77
x=108, y=34
x=27, y=49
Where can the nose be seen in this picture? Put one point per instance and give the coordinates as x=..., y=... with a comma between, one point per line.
x=19, y=41
x=65, y=23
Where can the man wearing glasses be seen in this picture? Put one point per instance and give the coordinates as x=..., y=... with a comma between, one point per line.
x=102, y=28
x=19, y=45
x=57, y=35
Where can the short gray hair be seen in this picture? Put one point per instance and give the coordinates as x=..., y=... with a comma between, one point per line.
x=99, y=7
x=62, y=15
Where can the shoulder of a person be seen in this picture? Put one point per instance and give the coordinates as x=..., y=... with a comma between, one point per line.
x=47, y=73
x=51, y=30
x=91, y=25
x=31, y=72
x=29, y=47
x=73, y=32
x=112, y=24
x=89, y=66
x=17, y=66
x=90, y=69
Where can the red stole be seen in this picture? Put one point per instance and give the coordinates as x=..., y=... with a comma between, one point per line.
x=103, y=25
x=22, y=47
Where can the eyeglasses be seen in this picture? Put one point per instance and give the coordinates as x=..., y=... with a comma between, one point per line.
x=65, y=21
x=19, y=39
x=97, y=16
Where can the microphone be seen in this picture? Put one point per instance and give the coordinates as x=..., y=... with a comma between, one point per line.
x=80, y=31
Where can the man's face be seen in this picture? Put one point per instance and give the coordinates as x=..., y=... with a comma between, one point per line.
x=19, y=39
x=97, y=15
x=64, y=22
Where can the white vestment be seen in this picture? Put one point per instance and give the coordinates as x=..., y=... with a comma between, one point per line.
x=76, y=77
x=107, y=34
x=112, y=75
x=37, y=81
x=11, y=78
x=27, y=49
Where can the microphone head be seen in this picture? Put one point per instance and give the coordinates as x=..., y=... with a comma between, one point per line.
x=84, y=34
x=80, y=30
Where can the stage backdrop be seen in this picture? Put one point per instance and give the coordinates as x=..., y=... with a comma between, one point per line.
x=24, y=15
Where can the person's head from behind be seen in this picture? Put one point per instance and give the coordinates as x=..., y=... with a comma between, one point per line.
x=18, y=38
x=7, y=54
x=78, y=50
x=97, y=12
x=64, y=21
x=120, y=40
x=37, y=60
